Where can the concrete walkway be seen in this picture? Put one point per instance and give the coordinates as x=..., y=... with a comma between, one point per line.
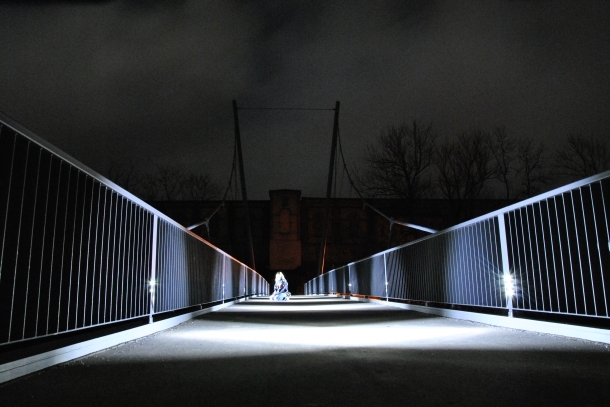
x=327, y=352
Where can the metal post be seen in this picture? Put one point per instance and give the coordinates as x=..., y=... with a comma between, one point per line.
x=385, y=275
x=390, y=234
x=245, y=282
x=505, y=264
x=329, y=186
x=243, y=184
x=152, y=283
x=349, y=279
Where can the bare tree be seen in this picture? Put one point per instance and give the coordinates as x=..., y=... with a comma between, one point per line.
x=125, y=174
x=450, y=180
x=166, y=183
x=399, y=164
x=503, y=151
x=521, y=165
x=200, y=187
x=532, y=167
x=149, y=188
x=583, y=156
x=171, y=181
x=465, y=166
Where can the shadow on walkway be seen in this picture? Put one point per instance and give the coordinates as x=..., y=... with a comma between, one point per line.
x=351, y=353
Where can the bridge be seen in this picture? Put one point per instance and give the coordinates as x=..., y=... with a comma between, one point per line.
x=105, y=300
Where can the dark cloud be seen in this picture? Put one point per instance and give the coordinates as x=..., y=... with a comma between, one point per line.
x=155, y=80
x=51, y=2
x=143, y=4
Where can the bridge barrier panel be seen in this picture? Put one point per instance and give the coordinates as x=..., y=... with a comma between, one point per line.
x=547, y=254
x=234, y=281
x=78, y=251
x=460, y=266
x=559, y=251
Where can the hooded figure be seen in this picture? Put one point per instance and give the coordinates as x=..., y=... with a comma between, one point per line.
x=280, y=290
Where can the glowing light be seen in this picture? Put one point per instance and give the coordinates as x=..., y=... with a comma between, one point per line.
x=332, y=337
x=509, y=286
x=152, y=283
x=325, y=306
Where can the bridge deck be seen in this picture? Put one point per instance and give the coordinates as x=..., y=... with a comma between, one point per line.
x=327, y=352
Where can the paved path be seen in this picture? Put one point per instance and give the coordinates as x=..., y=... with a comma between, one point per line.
x=327, y=352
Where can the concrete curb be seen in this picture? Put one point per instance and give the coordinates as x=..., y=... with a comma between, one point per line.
x=22, y=367
x=572, y=331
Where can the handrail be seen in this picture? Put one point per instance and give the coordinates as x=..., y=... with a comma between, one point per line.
x=547, y=255
x=79, y=251
x=9, y=122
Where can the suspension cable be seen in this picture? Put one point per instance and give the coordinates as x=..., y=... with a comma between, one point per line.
x=365, y=203
x=206, y=221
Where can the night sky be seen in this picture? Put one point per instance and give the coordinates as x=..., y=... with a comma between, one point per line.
x=153, y=81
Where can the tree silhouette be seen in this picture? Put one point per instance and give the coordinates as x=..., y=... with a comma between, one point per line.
x=582, y=156
x=125, y=174
x=399, y=164
x=503, y=150
x=200, y=187
x=532, y=167
x=408, y=162
x=465, y=165
x=166, y=182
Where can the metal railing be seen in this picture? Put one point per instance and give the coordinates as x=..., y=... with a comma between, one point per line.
x=547, y=254
x=78, y=251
